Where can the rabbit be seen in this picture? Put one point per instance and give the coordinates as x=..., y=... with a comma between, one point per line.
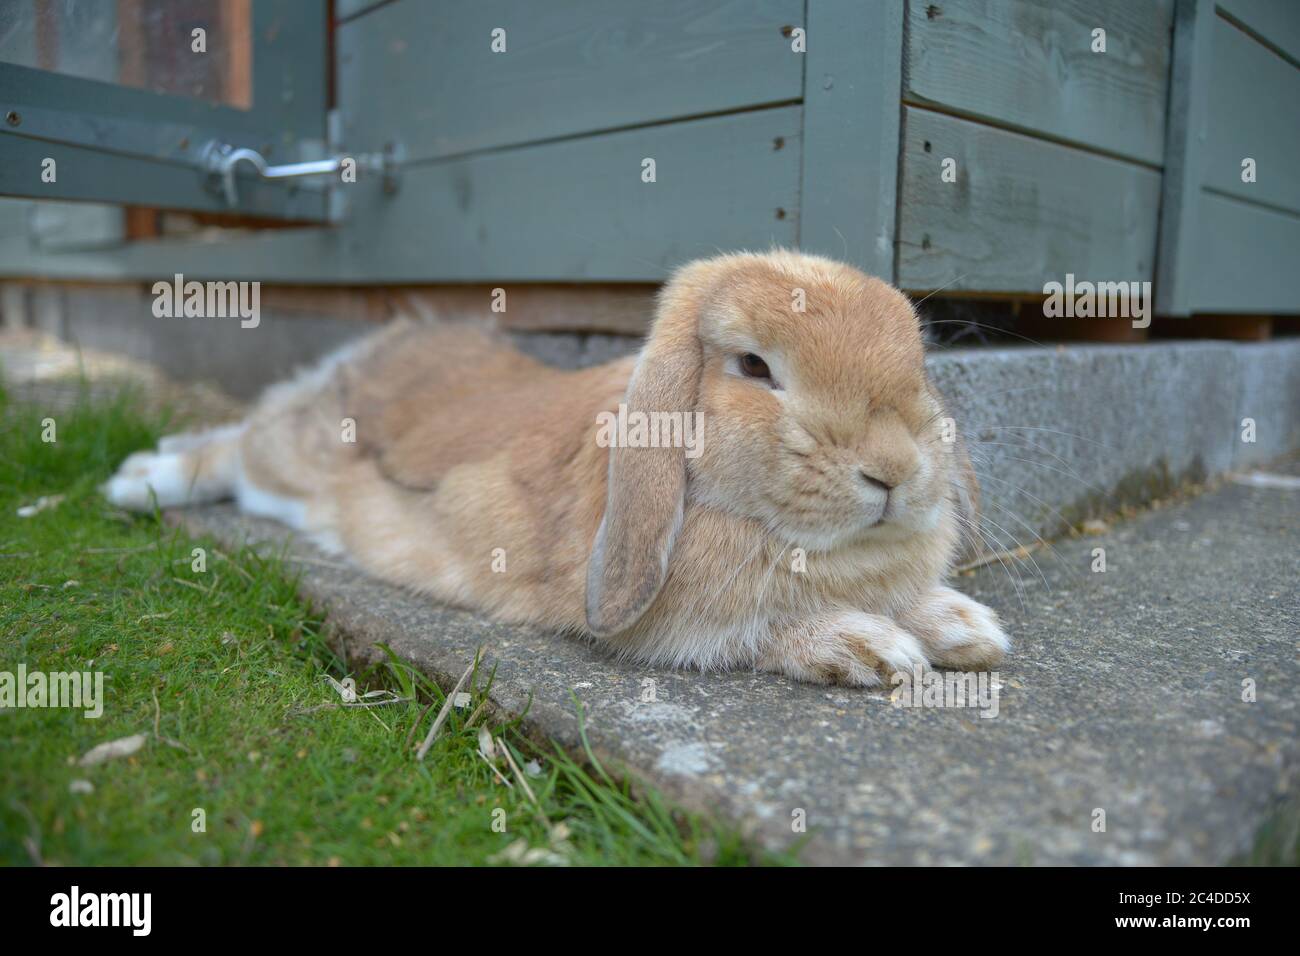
x=807, y=531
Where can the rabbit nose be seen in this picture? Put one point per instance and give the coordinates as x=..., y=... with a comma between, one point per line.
x=876, y=482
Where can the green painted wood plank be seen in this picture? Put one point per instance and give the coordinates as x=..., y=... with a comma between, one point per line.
x=563, y=211
x=84, y=173
x=120, y=119
x=1277, y=21
x=289, y=79
x=578, y=209
x=59, y=226
x=1189, y=97
x=119, y=144
x=850, y=132
x=1231, y=97
x=346, y=9
x=1245, y=259
x=1029, y=65
x=1021, y=212
x=291, y=67
x=307, y=255
x=424, y=74
x=1254, y=111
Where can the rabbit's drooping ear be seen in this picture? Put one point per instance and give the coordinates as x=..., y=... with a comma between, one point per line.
x=646, y=487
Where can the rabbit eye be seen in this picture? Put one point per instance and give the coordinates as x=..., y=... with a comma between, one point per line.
x=754, y=367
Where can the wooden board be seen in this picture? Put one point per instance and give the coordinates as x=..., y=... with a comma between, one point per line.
x=425, y=75
x=1275, y=22
x=1029, y=65
x=1021, y=213
x=567, y=211
x=1225, y=245
x=622, y=309
x=347, y=9
x=578, y=209
x=61, y=226
x=1246, y=258
x=82, y=173
x=850, y=132
x=1254, y=111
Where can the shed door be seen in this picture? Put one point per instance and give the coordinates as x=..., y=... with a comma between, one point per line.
x=120, y=101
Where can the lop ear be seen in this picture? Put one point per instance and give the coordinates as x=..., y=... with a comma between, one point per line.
x=645, y=493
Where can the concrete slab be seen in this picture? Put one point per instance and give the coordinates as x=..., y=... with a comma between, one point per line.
x=1063, y=435
x=1124, y=694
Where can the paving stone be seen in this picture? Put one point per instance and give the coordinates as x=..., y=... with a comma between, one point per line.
x=1124, y=693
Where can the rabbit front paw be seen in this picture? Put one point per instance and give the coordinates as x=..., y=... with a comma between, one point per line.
x=847, y=647
x=956, y=631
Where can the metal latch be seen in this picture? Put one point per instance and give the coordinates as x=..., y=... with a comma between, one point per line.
x=220, y=160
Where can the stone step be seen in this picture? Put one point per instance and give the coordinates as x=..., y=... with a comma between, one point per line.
x=1123, y=694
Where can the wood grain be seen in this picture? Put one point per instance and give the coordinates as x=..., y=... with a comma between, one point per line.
x=424, y=74
x=1022, y=211
x=1029, y=65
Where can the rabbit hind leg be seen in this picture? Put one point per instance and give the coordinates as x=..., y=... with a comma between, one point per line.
x=188, y=469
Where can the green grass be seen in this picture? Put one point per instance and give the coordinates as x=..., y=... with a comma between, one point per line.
x=224, y=671
x=1277, y=842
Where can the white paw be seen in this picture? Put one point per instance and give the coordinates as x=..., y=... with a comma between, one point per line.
x=851, y=647
x=880, y=649
x=144, y=476
x=957, y=631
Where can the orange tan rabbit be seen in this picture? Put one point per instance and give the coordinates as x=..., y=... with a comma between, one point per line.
x=808, y=531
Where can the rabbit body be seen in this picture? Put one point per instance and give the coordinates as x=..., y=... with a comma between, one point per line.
x=807, y=533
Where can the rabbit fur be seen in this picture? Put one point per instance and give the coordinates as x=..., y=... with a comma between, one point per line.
x=808, y=532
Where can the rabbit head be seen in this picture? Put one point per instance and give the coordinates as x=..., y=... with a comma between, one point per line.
x=818, y=421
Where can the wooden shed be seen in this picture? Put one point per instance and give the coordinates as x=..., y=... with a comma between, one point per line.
x=577, y=152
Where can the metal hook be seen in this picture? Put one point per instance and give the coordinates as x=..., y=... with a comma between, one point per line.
x=227, y=170
x=220, y=160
